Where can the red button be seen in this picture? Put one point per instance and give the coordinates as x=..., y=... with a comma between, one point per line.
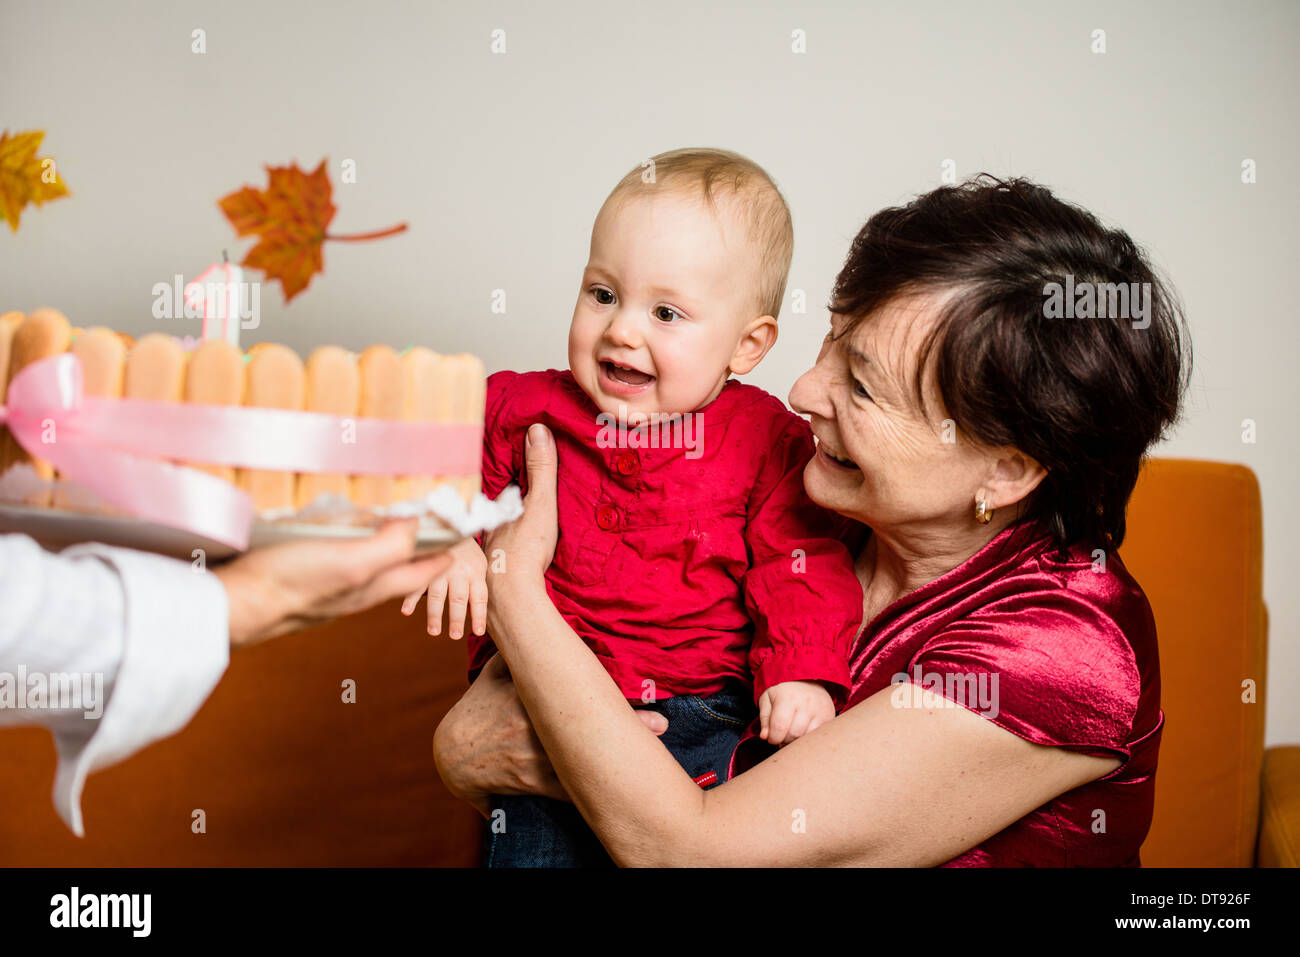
x=627, y=463
x=607, y=517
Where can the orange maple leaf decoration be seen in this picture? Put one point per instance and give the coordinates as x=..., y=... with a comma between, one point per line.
x=289, y=217
x=24, y=176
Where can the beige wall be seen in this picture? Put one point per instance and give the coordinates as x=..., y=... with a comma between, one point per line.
x=499, y=163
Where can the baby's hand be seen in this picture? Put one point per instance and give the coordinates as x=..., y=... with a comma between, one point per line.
x=463, y=585
x=791, y=709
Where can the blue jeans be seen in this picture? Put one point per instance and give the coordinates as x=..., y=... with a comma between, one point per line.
x=543, y=832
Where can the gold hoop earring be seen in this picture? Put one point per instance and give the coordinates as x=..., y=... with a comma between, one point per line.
x=983, y=514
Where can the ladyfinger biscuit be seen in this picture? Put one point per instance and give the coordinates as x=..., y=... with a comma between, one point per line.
x=155, y=369
x=103, y=362
x=426, y=398
x=103, y=367
x=334, y=387
x=382, y=393
x=44, y=333
x=214, y=375
x=9, y=323
x=273, y=379
x=469, y=382
x=454, y=390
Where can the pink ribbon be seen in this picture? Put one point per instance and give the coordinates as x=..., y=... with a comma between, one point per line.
x=112, y=447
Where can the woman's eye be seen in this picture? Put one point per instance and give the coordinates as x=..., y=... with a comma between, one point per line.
x=860, y=390
x=603, y=296
x=666, y=314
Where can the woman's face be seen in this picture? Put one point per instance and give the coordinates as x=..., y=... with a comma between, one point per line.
x=880, y=458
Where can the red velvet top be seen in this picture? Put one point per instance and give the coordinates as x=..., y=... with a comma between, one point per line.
x=1072, y=645
x=684, y=565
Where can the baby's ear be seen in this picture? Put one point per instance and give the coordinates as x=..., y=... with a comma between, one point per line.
x=758, y=336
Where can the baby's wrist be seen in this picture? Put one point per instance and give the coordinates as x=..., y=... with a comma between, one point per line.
x=825, y=686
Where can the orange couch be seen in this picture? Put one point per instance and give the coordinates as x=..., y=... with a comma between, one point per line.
x=1195, y=545
x=288, y=774
x=284, y=771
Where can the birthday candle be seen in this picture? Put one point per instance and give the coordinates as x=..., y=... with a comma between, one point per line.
x=217, y=291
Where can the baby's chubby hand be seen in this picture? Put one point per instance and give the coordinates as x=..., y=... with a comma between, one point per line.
x=791, y=709
x=463, y=586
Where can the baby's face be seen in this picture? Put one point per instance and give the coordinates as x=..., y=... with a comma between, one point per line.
x=665, y=297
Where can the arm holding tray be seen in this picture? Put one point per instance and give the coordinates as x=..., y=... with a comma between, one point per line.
x=143, y=640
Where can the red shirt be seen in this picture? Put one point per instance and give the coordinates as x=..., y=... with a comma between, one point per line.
x=684, y=566
x=1074, y=652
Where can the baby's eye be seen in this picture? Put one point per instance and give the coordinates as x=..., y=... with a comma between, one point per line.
x=665, y=314
x=603, y=296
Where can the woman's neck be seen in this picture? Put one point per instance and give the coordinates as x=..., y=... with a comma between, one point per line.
x=893, y=564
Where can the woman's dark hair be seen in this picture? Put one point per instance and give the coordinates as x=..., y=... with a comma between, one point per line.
x=1085, y=388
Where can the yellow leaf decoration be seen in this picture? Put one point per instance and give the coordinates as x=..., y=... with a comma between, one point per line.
x=24, y=176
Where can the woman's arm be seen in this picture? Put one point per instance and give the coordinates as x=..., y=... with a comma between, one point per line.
x=115, y=615
x=486, y=745
x=879, y=785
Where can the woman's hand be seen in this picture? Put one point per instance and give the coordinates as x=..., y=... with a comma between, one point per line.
x=275, y=590
x=486, y=745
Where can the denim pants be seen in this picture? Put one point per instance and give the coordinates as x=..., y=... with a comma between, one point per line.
x=532, y=831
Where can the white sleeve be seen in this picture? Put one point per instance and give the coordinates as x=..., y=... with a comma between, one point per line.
x=109, y=648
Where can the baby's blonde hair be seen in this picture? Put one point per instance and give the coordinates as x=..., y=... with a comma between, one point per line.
x=716, y=174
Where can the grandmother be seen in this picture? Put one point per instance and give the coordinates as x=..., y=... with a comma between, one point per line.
x=1005, y=707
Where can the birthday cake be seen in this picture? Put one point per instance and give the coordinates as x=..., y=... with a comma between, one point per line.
x=416, y=385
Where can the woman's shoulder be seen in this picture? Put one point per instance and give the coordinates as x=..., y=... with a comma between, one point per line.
x=1074, y=620
x=1062, y=643
x=1079, y=587
x=1079, y=597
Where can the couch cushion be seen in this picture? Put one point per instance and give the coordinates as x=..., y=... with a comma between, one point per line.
x=1195, y=546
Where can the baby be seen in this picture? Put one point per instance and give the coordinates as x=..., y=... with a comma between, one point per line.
x=689, y=557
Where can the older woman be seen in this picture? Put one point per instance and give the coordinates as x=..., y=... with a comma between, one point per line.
x=987, y=435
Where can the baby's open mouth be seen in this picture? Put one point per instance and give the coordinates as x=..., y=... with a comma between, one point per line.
x=625, y=374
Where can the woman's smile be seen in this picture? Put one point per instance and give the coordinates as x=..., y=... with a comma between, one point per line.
x=832, y=459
